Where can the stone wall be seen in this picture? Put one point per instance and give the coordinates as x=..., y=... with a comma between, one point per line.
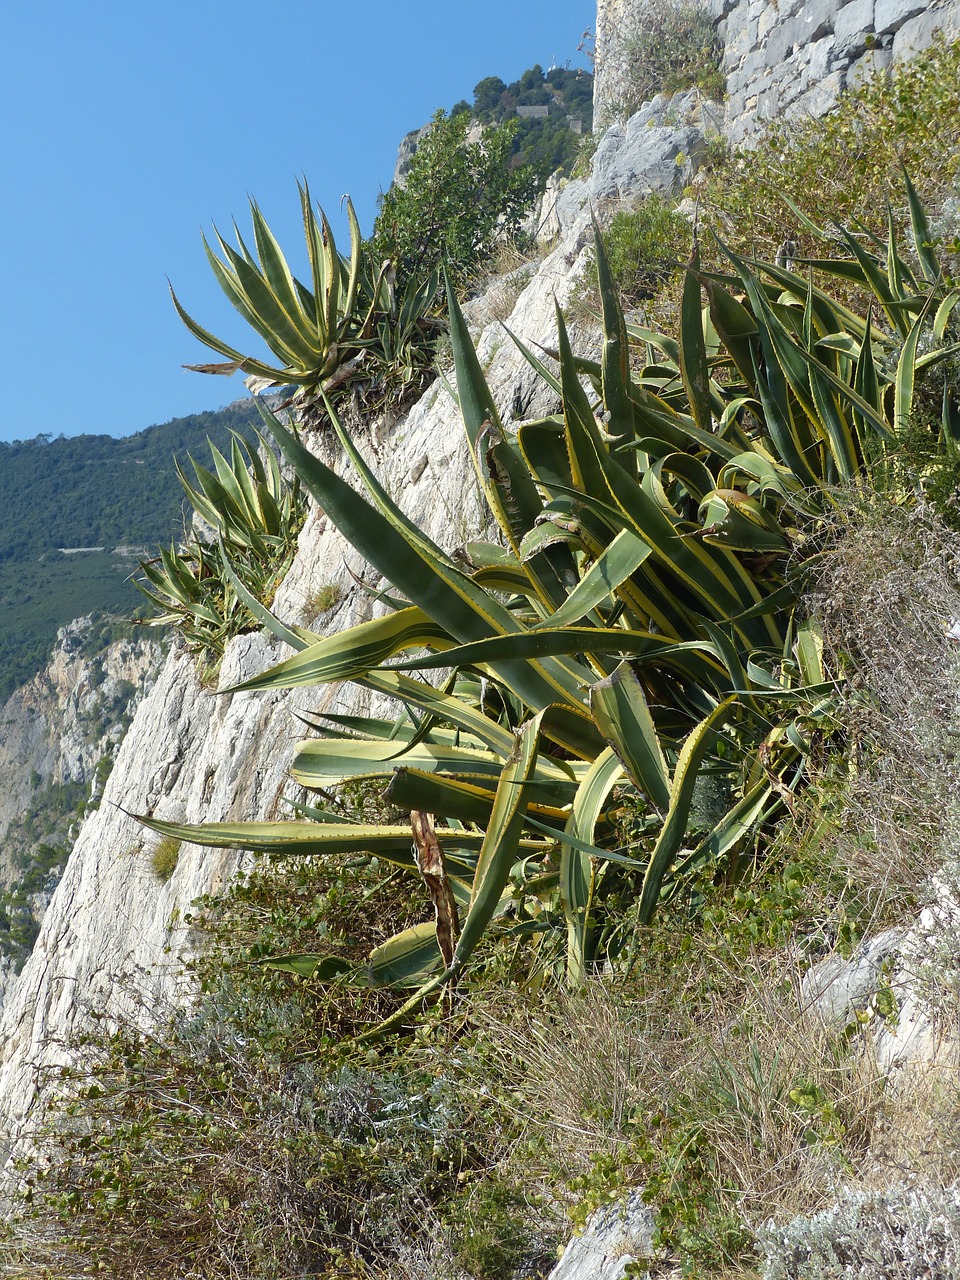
x=792, y=59
x=615, y=19
x=786, y=58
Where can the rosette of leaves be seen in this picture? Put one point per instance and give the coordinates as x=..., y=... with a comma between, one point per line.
x=253, y=516
x=349, y=330
x=635, y=630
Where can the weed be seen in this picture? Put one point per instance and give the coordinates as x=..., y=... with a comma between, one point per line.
x=673, y=46
x=164, y=857
x=323, y=599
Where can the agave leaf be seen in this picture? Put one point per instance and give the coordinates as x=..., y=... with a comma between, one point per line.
x=681, y=795
x=615, y=364
x=320, y=762
x=595, y=640
x=406, y=958
x=922, y=240
x=305, y=965
x=351, y=653
x=907, y=369
x=624, y=719
x=501, y=842
x=276, y=272
x=576, y=867
x=417, y=789
x=295, y=838
x=693, y=352
x=625, y=554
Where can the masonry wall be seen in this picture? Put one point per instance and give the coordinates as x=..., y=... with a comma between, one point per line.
x=786, y=58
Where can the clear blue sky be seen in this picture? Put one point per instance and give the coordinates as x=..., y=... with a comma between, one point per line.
x=126, y=129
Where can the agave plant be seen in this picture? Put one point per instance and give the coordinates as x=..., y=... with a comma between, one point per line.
x=347, y=331
x=254, y=516
x=635, y=631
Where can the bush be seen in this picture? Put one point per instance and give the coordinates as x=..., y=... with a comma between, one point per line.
x=646, y=247
x=674, y=46
x=245, y=1138
x=899, y=1231
x=459, y=198
x=846, y=167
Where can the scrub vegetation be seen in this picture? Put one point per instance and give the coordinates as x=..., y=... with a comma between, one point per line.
x=696, y=729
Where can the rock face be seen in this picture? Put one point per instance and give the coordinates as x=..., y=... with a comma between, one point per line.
x=614, y=1238
x=60, y=725
x=793, y=59
x=113, y=935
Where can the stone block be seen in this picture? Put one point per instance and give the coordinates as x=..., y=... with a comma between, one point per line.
x=780, y=42
x=615, y=1237
x=917, y=33
x=741, y=36
x=854, y=17
x=755, y=65
x=890, y=15
x=819, y=98
x=817, y=60
x=767, y=20
x=834, y=989
x=816, y=20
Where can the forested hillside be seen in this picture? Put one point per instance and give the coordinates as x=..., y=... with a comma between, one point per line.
x=57, y=495
x=547, y=142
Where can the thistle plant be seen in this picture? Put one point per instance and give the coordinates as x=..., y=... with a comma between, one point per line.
x=637, y=628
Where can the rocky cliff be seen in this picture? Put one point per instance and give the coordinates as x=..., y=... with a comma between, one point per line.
x=60, y=735
x=71, y=716
x=114, y=936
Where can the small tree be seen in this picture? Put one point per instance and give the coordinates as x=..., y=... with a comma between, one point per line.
x=457, y=198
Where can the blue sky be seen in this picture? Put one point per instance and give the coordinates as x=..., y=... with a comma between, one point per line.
x=126, y=129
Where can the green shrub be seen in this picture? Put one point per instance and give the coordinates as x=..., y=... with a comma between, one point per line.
x=646, y=247
x=459, y=198
x=672, y=46
x=244, y=1138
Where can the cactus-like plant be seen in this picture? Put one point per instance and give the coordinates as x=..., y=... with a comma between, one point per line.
x=254, y=516
x=348, y=330
x=636, y=629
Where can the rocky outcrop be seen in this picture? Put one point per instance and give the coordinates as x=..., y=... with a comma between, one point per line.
x=70, y=716
x=614, y=1240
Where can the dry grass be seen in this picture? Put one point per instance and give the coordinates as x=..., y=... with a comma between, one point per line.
x=886, y=593
x=504, y=278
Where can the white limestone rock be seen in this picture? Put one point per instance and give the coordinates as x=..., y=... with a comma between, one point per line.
x=614, y=1237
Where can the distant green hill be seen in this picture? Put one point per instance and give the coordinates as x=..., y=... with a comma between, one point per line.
x=547, y=141
x=58, y=495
